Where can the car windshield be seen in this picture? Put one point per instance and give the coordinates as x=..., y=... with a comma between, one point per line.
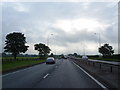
x=84, y=56
x=49, y=59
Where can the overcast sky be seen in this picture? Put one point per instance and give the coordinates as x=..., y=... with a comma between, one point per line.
x=67, y=27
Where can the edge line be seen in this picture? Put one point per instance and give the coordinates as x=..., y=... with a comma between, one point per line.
x=91, y=76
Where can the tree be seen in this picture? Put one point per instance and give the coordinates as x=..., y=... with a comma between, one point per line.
x=51, y=55
x=62, y=56
x=4, y=54
x=75, y=54
x=15, y=44
x=106, y=50
x=43, y=49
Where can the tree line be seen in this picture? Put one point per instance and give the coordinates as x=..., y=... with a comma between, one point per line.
x=15, y=44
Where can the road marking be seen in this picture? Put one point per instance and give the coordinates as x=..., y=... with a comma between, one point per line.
x=11, y=73
x=15, y=71
x=45, y=75
x=91, y=77
x=56, y=66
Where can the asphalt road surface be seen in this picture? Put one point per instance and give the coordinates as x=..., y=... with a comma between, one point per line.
x=63, y=74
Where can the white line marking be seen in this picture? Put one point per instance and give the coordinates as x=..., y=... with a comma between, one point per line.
x=11, y=73
x=45, y=75
x=16, y=71
x=91, y=77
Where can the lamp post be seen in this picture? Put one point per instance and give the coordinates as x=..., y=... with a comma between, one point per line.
x=83, y=48
x=99, y=40
x=48, y=39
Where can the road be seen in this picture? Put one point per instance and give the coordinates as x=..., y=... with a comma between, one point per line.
x=63, y=74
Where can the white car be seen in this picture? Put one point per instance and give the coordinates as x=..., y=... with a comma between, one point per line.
x=84, y=57
x=50, y=60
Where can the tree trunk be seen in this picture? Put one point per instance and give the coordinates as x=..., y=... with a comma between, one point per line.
x=15, y=56
x=39, y=56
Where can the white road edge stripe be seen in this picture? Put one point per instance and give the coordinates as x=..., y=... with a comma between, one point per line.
x=45, y=75
x=91, y=76
x=15, y=72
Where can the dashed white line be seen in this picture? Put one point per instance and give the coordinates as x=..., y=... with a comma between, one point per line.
x=56, y=66
x=91, y=77
x=45, y=75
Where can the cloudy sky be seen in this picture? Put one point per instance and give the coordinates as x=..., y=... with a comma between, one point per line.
x=67, y=27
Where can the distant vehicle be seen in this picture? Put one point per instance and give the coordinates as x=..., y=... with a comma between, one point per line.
x=65, y=57
x=84, y=57
x=50, y=60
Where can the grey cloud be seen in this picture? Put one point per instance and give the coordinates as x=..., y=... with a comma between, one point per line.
x=37, y=22
x=79, y=36
x=67, y=10
x=110, y=35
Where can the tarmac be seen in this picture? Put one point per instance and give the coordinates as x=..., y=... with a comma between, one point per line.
x=108, y=74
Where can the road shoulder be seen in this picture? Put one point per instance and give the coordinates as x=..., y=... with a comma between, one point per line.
x=100, y=75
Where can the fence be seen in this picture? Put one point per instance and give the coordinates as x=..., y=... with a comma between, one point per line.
x=99, y=65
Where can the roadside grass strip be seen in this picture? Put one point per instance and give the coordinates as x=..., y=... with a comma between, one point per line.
x=18, y=64
x=106, y=59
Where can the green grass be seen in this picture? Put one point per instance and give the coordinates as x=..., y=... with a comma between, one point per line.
x=107, y=59
x=10, y=65
x=19, y=58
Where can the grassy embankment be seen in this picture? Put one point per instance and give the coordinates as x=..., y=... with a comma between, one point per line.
x=8, y=63
x=115, y=57
x=106, y=59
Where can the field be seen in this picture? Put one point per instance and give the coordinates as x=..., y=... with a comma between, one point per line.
x=115, y=57
x=106, y=59
x=8, y=63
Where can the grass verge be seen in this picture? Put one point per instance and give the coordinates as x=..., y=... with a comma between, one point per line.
x=7, y=66
x=106, y=59
x=19, y=58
